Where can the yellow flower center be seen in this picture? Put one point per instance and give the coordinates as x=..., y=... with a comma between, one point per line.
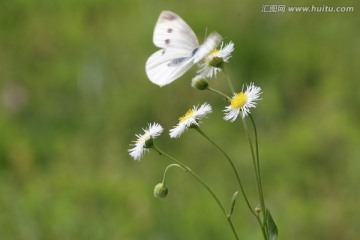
x=214, y=51
x=239, y=100
x=187, y=115
x=211, y=55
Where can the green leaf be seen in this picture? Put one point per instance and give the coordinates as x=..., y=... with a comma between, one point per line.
x=271, y=226
x=233, y=200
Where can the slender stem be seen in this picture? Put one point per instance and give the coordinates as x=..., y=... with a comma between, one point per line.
x=237, y=177
x=232, y=166
x=261, y=227
x=257, y=156
x=168, y=167
x=221, y=93
x=256, y=168
x=221, y=206
x=228, y=80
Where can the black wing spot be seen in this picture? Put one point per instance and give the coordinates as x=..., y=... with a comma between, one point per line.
x=169, y=30
x=194, y=51
x=167, y=41
x=168, y=15
x=177, y=61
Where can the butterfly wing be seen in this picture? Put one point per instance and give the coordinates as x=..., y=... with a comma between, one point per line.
x=178, y=43
x=211, y=42
x=173, y=32
x=165, y=66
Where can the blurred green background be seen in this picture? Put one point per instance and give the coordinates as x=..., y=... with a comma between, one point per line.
x=74, y=92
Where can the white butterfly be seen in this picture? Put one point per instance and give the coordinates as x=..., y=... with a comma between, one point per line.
x=180, y=49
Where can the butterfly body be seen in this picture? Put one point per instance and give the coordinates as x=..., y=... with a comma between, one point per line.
x=180, y=49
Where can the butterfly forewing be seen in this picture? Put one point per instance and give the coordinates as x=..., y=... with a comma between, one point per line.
x=173, y=32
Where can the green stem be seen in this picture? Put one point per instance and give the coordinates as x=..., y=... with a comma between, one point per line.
x=221, y=93
x=168, y=167
x=228, y=80
x=232, y=166
x=257, y=157
x=257, y=171
x=258, y=167
x=221, y=206
x=261, y=227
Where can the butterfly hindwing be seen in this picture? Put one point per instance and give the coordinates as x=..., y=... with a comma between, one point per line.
x=164, y=66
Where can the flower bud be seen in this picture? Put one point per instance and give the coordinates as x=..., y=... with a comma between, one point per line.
x=216, y=62
x=161, y=190
x=199, y=82
x=149, y=142
x=258, y=209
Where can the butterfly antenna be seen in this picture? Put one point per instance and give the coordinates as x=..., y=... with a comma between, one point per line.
x=206, y=32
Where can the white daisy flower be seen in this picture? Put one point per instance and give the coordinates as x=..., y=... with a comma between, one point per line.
x=144, y=141
x=213, y=62
x=241, y=103
x=191, y=118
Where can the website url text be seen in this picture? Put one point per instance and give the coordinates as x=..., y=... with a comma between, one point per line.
x=311, y=9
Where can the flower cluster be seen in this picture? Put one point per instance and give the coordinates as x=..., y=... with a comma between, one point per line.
x=240, y=103
x=168, y=64
x=192, y=118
